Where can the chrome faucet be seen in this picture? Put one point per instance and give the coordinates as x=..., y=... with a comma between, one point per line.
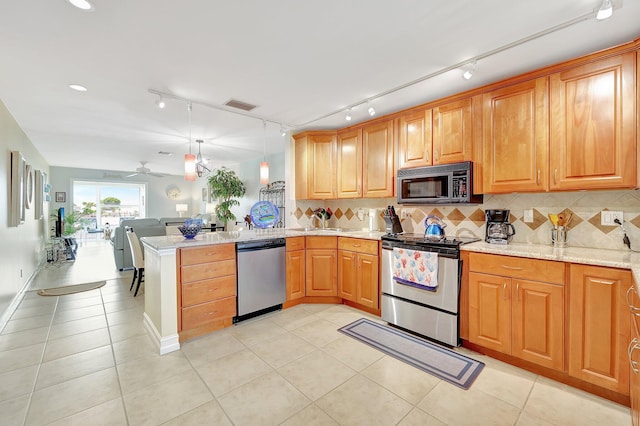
x=321, y=214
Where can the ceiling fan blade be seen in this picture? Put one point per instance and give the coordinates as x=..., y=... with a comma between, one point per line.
x=133, y=174
x=155, y=174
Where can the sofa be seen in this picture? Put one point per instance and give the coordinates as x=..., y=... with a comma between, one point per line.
x=143, y=228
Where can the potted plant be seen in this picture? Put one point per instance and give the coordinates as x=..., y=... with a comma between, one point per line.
x=225, y=185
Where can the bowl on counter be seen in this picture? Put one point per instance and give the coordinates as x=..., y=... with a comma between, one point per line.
x=190, y=231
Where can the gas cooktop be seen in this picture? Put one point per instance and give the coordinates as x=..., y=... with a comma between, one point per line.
x=420, y=239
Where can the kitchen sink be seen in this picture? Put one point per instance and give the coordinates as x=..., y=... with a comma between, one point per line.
x=327, y=230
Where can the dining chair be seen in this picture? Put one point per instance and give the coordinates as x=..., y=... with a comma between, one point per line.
x=138, y=259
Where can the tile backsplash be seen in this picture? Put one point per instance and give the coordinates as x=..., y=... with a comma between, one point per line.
x=584, y=230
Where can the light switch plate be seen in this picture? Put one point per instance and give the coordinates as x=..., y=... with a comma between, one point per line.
x=528, y=216
x=607, y=217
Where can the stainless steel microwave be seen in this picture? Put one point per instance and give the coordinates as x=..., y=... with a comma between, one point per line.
x=441, y=184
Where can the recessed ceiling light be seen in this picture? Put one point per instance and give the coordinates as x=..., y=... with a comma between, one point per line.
x=82, y=4
x=78, y=87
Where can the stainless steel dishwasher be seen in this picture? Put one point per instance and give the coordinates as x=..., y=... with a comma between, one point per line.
x=261, y=277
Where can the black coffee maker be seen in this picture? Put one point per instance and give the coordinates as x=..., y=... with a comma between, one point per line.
x=499, y=230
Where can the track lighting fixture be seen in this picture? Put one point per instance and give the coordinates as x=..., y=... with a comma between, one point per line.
x=348, y=116
x=605, y=11
x=283, y=132
x=370, y=110
x=471, y=68
x=160, y=102
x=82, y=4
x=189, y=159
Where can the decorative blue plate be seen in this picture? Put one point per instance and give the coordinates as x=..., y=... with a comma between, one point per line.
x=264, y=214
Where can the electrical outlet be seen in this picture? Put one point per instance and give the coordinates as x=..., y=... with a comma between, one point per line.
x=404, y=214
x=607, y=217
x=528, y=216
x=360, y=214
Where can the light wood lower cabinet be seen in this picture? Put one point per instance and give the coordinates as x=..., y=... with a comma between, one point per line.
x=358, y=266
x=517, y=316
x=634, y=355
x=295, y=265
x=599, y=326
x=206, y=289
x=321, y=266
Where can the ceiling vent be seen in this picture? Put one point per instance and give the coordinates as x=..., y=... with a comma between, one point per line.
x=233, y=103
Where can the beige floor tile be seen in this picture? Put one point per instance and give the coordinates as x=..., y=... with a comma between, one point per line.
x=363, y=402
x=316, y=374
x=65, y=305
x=209, y=413
x=110, y=413
x=38, y=302
x=21, y=357
x=121, y=305
x=527, y=419
x=76, y=343
x=144, y=372
x=417, y=417
x=355, y=354
x=22, y=313
x=319, y=332
x=115, y=296
x=207, y=349
x=70, y=328
x=120, y=317
x=293, y=318
x=134, y=348
x=13, y=411
x=314, y=308
x=256, y=331
x=23, y=324
x=310, y=416
x=165, y=400
x=23, y=338
x=78, y=313
x=509, y=383
x=406, y=381
x=17, y=382
x=233, y=370
x=73, y=366
x=73, y=396
x=283, y=349
x=444, y=402
x=560, y=404
x=126, y=330
x=341, y=315
x=267, y=400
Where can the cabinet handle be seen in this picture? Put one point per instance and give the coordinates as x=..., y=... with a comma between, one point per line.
x=627, y=297
x=514, y=268
x=633, y=345
x=518, y=292
x=355, y=245
x=212, y=313
x=504, y=291
x=435, y=154
x=555, y=176
x=538, y=179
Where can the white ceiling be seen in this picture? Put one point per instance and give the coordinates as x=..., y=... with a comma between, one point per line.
x=297, y=60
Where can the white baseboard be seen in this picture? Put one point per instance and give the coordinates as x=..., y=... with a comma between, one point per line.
x=8, y=313
x=164, y=344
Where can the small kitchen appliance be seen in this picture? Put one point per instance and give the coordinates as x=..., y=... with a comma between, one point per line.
x=499, y=230
x=434, y=228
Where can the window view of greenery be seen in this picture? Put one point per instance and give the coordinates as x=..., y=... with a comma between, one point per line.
x=98, y=205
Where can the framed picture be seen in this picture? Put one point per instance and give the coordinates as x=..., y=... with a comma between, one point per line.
x=38, y=195
x=16, y=209
x=61, y=197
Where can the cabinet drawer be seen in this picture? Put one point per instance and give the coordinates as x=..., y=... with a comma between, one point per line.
x=517, y=267
x=195, y=316
x=196, y=255
x=206, y=271
x=208, y=290
x=314, y=242
x=295, y=243
x=358, y=245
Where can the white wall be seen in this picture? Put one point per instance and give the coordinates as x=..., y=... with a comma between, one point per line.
x=249, y=173
x=21, y=247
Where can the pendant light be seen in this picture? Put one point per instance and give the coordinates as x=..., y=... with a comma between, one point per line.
x=189, y=159
x=264, y=166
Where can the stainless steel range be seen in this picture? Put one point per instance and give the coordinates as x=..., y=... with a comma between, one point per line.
x=431, y=312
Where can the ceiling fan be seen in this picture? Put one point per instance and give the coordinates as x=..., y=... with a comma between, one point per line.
x=142, y=170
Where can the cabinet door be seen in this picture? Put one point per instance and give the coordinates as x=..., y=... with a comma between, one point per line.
x=516, y=138
x=377, y=160
x=538, y=323
x=490, y=311
x=593, y=125
x=349, y=180
x=453, y=132
x=295, y=274
x=599, y=326
x=416, y=139
x=301, y=166
x=367, y=290
x=347, y=275
x=321, y=272
x=322, y=166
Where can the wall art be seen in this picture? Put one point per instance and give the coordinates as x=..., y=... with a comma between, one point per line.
x=61, y=197
x=16, y=207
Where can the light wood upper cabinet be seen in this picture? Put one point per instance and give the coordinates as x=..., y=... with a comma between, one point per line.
x=516, y=138
x=315, y=165
x=453, y=132
x=349, y=180
x=377, y=160
x=593, y=128
x=599, y=326
x=416, y=139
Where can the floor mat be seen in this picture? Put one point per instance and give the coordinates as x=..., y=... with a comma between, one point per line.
x=70, y=289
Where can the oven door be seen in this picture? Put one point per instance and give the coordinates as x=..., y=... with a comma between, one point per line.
x=446, y=295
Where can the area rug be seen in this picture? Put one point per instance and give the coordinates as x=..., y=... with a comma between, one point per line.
x=70, y=289
x=439, y=361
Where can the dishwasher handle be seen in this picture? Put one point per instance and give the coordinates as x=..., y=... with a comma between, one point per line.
x=260, y=244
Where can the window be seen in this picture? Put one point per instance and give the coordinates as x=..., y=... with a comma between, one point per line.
x=99, y=203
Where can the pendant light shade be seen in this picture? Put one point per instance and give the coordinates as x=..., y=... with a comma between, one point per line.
x=264, y=166
x=189, y=167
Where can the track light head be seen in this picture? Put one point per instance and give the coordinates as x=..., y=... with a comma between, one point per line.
x=283, y=131
x=468, y=73
x=160, y=103
x=605, y=11
x=348, y=116
x=370, y=110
